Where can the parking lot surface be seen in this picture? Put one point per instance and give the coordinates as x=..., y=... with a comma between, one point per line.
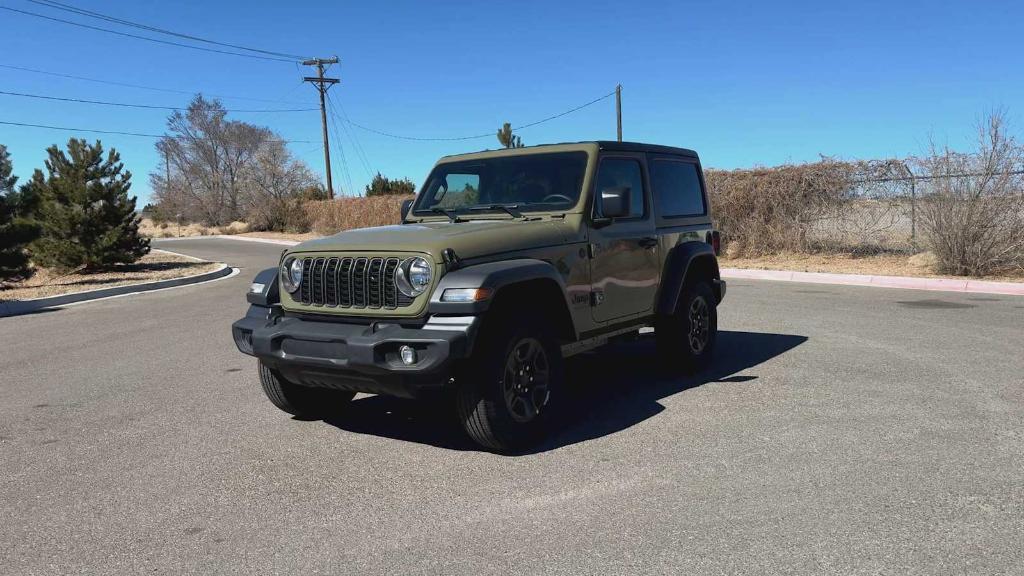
x=841, y=431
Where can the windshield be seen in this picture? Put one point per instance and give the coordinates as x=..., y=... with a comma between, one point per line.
x=534, y=182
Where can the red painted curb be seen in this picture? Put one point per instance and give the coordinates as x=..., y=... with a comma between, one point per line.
x=906, y=282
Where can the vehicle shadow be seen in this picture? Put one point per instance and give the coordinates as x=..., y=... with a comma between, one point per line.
x=608, y=391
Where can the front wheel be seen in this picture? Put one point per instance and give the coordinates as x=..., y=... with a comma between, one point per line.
x=301, y=401
x=507, y=393
x=686, y=338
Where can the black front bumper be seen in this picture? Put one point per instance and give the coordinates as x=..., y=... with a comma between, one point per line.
x=355, y=357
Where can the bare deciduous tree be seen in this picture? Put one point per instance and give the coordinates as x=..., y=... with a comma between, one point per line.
x=278, y=183
x=219, y=169
x=974, y=216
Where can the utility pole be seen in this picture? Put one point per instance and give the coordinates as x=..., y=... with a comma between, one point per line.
x=322, y=85
x=618, y=109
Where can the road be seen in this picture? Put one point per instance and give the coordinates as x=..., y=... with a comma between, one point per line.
x=841, y=431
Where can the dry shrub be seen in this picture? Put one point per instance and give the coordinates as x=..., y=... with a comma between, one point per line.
x=332, y=216
x=279, y=215
x=974, y=216
x=236, y=227
x=148, y=227
x=769, y=210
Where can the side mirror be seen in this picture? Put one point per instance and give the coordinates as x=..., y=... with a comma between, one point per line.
x=406, y=206
x=615, y=202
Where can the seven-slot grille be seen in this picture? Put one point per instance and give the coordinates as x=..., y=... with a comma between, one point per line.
x=351, y=282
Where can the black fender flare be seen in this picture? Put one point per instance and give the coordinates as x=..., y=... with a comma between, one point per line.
x=494, y=276
x=269, y=294
x=677, y=265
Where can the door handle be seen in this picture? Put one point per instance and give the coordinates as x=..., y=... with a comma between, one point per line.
x=648, y=242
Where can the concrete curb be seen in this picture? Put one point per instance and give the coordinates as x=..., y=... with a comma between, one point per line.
x=905, y=282
x=18, y=307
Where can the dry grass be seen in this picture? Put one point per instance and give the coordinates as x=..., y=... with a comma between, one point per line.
x=156, y=265
x=332, y=216
x=172, y=230
x=917, y=265
x=296, y=236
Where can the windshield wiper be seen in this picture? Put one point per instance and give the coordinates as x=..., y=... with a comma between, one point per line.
x=511, y=209
x=453, y=217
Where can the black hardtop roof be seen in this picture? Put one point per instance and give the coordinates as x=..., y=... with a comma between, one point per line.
x=609, y=145
x=641, y=147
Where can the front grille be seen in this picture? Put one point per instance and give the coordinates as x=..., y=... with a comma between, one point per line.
x=351, y=283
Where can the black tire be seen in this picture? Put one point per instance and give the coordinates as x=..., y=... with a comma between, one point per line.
x=301, y=401
x=502, y=413
x=686, y=339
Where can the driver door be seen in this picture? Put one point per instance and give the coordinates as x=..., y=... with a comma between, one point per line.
x=624, y=259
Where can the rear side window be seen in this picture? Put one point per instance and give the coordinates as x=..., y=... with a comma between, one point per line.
x=615, y=172
x=677, y=189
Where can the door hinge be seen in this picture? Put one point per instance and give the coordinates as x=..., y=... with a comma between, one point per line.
x=596, y=297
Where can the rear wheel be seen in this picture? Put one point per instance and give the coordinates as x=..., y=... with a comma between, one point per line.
x=508, y=391
x=687, y=337
x=301, y=401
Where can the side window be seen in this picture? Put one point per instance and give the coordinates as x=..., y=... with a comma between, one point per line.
x=676, y=188
x=616, y=172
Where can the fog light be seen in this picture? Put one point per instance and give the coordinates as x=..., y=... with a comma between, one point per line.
x=408, y=354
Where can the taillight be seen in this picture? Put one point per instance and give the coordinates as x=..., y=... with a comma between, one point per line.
x=716, y=242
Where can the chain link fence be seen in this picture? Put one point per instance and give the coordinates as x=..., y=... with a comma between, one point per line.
x=863, y=207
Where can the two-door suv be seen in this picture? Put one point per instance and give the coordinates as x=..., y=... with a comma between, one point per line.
x=506, y=263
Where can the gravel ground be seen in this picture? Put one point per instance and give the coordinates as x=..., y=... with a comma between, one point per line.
x=919, y=265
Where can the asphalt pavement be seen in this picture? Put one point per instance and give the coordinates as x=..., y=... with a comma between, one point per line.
x=841, y=430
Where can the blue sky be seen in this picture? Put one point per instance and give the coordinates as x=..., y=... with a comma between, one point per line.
x=744, y=84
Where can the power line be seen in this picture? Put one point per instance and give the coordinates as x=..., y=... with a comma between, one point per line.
x=97, y=15
x=157, y=40
x=559, y=115
x=341, y=152
x=141, y=87
x=360, y=152
x=352, y=135
x=477, y=136
x=416, y=138
x=140, y=134
x=146, y=106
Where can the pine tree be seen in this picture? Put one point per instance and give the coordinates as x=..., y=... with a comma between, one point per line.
x=507, y=138
x=16, y=229
x=88, y=219
x=382, y=186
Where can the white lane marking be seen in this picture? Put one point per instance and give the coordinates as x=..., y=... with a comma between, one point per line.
x=227, y=237
x=186, y=256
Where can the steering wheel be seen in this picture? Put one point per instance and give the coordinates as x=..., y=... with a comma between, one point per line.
x=562, y=197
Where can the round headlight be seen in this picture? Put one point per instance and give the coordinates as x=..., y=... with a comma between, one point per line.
x=413, y=276
x=291, y=274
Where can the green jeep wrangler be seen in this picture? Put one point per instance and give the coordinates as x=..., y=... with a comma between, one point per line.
x=506, y=263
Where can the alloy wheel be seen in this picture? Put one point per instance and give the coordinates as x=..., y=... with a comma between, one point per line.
x=526, y=379
x=700, y=325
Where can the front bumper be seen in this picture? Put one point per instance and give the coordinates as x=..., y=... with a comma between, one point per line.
x=355, y=357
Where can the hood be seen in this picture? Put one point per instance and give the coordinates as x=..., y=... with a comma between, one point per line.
x=469, y=239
